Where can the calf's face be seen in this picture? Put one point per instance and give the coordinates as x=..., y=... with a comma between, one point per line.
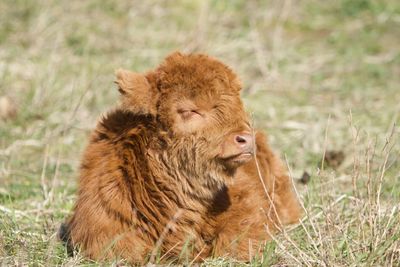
x=196, y=99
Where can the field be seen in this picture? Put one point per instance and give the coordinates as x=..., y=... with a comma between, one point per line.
x=319, y=77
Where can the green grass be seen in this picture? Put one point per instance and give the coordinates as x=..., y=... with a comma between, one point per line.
x=318, y=75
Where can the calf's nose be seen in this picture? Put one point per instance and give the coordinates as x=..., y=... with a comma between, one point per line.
x=244, y=141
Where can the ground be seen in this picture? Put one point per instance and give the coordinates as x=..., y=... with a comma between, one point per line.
x=319, y=76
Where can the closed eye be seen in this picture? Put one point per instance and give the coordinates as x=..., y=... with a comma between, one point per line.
x=188, y=113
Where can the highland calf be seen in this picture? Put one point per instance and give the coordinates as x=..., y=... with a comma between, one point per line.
x=176, y=171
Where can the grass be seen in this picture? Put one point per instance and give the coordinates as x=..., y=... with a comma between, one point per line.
x=318, y=76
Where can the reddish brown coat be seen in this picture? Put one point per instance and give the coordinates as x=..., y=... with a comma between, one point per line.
x=169, y=172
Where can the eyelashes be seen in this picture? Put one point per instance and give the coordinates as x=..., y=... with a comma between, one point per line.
x=187, y=114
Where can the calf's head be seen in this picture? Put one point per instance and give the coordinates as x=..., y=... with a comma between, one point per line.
x=196, y=101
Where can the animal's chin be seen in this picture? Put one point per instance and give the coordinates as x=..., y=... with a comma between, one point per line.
x=235, y=161
x=241, y=158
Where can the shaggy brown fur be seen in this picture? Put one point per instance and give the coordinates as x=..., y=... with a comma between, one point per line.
x=170, y=171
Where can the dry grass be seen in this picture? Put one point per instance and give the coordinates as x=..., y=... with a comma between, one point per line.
x=318, y=76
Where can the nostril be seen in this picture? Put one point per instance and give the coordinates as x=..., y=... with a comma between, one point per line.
x=240, y=139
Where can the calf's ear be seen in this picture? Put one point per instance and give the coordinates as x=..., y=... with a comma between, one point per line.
x=137, y=93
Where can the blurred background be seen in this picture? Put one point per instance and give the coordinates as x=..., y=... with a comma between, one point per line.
x=320, y=77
